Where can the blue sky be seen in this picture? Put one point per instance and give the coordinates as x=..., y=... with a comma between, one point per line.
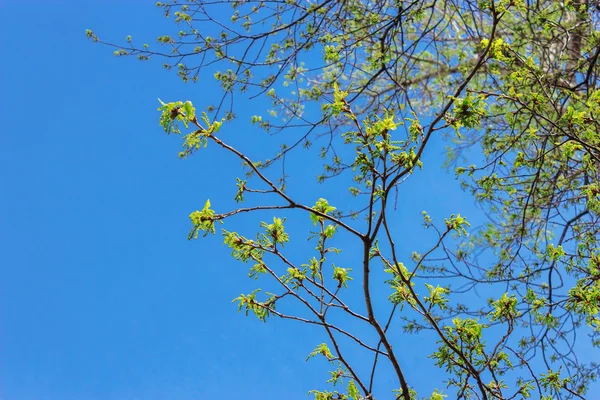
x=102, y=296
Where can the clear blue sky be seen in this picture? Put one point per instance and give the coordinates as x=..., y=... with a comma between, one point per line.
x=102, y=296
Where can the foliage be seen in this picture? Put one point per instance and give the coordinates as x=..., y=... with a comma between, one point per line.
x=513, y=85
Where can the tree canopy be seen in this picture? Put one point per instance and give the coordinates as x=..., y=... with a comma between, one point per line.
x=509, y=86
